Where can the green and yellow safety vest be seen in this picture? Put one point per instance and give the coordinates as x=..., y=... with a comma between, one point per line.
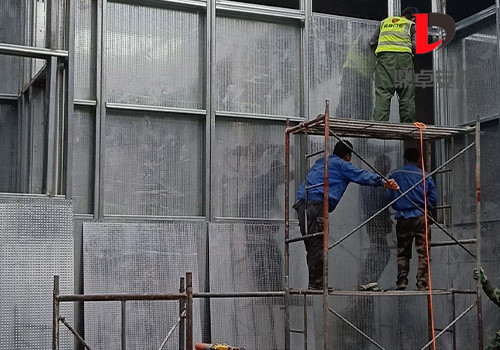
x=394, y=35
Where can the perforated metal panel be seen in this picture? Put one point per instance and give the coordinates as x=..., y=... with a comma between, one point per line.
x=138, y=258
x=85, y=63
x=154, y=56
x=36, y=243
x=163, y=164
x=249, y=158
x=257, y=67
x=333, y=74
x=8, y=147
x=249, y=257
x=83, y=160
x=473, y=70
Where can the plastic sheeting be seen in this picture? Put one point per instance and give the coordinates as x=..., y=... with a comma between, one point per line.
x=153, y=164
x=153, y=56
x=257, y=67
x=36, y=243
x=138, y=258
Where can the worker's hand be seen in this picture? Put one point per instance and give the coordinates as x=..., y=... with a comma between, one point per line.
x=480, y=275
x=391, y=184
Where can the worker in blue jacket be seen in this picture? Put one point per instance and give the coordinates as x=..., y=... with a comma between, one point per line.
x=410, y=219
x=341, y=173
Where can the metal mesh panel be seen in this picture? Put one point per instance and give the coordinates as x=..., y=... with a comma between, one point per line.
x=473, y=71
x=333, y=74
x=83, y=160
x=249, y=159
x=8, y=147
x=36, y=243
x=249, y=257
x=257, y=67
x=163, y=156
x=138, y=258
x=154, y=56
x=463, y=192
x=85, y=64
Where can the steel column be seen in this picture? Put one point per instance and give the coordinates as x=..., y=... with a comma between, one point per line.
x=182, y=324
x=52, y=142
x=189, y=311
x=478, y=232
x=326, y=186
x=287, y=237
x=55, y=314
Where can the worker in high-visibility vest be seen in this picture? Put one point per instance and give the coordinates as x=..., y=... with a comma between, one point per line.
x=394, y=73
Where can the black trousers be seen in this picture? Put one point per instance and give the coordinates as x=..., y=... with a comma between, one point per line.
x=314, y=246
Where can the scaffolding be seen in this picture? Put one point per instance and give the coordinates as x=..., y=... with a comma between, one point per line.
x=325, y=126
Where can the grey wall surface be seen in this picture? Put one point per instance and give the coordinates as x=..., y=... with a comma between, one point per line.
x=36, y=243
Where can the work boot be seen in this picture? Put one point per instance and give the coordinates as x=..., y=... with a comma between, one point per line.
x=401, y=283
x=422, y=286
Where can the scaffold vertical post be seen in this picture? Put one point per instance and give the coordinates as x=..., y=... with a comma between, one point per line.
x=189, y=310
x=305, y=322
x=55, y=314
x=182, y=323
x=325, y=227
x=287, y=236
x=124, y=325
x=478, y=233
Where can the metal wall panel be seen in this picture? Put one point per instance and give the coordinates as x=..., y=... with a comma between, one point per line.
x=38, y=138
x=257, y=67
x=85, y=46
x=83, y=160
x=36, y=243
x=463, y=195
x=10, y=33
x=138, y=258
x=249, y=162
x=332, y=76
x=473, y=70
x=8, y=147
x=249, y=257
x=153, y=164
x=153, y=56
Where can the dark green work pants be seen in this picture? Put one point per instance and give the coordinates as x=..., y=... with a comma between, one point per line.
x=394, y=73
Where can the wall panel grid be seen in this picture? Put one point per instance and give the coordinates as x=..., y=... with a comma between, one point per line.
x=36, y=243
x=138, y=258
x=250, y=170
x=257, y=67
x=154, y=56
x=153, y=164
x=341, y=66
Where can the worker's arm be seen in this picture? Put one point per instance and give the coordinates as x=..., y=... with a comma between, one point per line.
x=374, y=38
x=491, y=292
x=359, y=176
x=413, y=38
x=431, y=192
